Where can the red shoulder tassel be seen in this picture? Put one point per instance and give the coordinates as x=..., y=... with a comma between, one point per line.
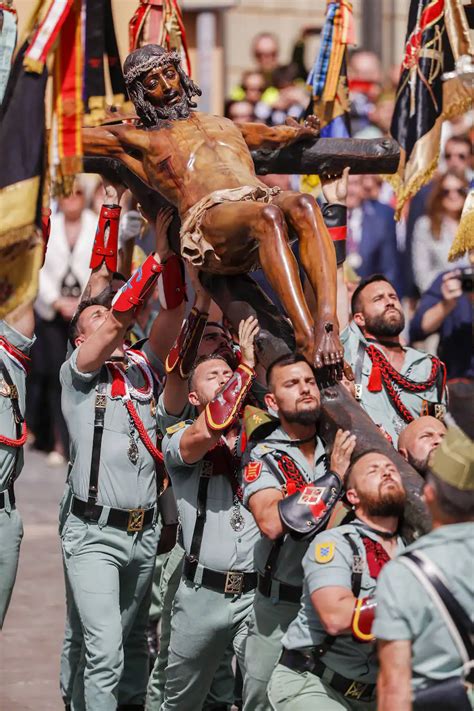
x=375, y=380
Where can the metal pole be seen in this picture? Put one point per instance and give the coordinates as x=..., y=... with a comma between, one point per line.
x=206, y=42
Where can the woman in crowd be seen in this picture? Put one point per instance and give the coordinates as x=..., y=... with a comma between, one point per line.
x=434, y=232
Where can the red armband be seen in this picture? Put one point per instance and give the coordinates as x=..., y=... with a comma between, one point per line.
x=224, y=408
x=183, y=354
x=133, y=293
x=363, y=618
x=335, y=219
x=45, y=228
x=171, y=283
x=106, y=238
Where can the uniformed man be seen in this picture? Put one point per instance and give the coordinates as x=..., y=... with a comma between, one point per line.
x=109, y=538
x=421, y=651
x=287, y=466
x=215, y=595
x=16, y=339
x=197, y=339
x=418, y=441
x=101, y=288
x=328, y=660
x=394, y=384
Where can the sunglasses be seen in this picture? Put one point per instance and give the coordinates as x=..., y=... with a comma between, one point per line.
x=461, y=156
x=265, y=54
x=459, y=191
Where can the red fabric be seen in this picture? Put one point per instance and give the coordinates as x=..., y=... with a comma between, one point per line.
x=338, y=233
x=375, y=380
x=377, y=556
x=15, y=353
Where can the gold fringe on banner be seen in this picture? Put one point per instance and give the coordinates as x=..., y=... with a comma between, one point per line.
x=464, y=238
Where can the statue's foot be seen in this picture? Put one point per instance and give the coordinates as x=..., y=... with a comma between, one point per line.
x=328, y=352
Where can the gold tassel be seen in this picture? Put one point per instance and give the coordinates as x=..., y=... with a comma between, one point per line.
x=464, y=239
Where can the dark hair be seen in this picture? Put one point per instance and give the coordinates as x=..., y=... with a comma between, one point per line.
x=138, y=64
x=355, y=301
x=285, y=75
x=463, y=138
x=357, y=458
x=229, y=105
x=120, y=276
x=455, y=504
x=282, y=361
x=434, y=204
x=198, y=362
x=74, y=331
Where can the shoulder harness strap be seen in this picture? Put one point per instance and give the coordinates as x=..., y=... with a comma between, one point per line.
x=99, y=419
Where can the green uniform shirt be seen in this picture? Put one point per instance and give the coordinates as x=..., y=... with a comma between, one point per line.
x=121, y=484
x=7, y=421
x=328, y=563
x=222, y=548
x=165, y=420
x=405, y=611
x=288, y=568
x=378, y=405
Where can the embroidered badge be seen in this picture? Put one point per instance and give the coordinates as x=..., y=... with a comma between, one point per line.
x=325, y=552
x=252, y=471
x=175, y=428
x=311, y=495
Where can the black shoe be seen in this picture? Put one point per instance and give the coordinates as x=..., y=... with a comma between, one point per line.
x=131, y=707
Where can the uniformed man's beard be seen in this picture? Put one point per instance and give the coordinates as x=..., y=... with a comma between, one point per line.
x=384, y=503
x=302, y=417
x=421, y=465
x=383, y=326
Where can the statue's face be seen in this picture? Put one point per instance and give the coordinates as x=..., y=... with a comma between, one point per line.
x=163, y=87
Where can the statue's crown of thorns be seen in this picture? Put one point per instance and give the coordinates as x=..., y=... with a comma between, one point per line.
x=149, y=57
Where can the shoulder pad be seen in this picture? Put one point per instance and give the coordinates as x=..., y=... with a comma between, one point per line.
x=178, y=426
x=261, y=449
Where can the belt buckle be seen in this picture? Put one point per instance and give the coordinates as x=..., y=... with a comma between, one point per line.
x=136, y=518
x=100, y=400
x=355, y=690
x=234, y=583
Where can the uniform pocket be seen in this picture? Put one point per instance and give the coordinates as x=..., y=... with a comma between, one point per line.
x=73, y=535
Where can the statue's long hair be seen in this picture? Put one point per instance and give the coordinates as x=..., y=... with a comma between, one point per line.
x=150, y=115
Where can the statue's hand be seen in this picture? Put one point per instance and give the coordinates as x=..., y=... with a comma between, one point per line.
x=328, y=351
x=310, y=128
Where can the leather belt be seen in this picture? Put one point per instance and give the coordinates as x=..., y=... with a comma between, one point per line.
x=233, y=582
x=11, y=496
x=131, y=520
x=306, y=662
x=287, y=593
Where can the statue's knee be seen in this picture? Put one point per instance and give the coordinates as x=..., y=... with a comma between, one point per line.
x=272, y=216
x=306, y=204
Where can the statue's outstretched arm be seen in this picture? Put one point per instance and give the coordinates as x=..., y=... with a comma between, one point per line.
x=258, y=135
x=122, y=142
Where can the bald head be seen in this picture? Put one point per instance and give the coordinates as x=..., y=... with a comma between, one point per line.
x=419, y=439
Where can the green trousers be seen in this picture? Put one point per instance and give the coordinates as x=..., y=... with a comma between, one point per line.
x=203, y=626
x=222, y=687
x=291, y=691
x=110, y=573
x=11, y=533
x=156, y=600
x=267, y=625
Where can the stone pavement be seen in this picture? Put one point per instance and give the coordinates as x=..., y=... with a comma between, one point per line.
x=30, y=643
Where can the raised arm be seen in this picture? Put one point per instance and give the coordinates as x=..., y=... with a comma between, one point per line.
x=109, y=336
x=219, y=414
x=120, y=141
x=183, y=353
x=258, y=135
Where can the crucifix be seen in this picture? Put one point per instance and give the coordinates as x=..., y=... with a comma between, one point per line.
x=229, y=222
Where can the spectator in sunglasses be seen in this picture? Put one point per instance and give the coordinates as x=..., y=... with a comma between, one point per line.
x=434, y=232
x=266, y=52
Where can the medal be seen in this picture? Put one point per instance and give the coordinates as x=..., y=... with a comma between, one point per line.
x=237, y=521
x=132, y=450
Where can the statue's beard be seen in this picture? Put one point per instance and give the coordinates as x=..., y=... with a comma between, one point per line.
x=154, y=116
